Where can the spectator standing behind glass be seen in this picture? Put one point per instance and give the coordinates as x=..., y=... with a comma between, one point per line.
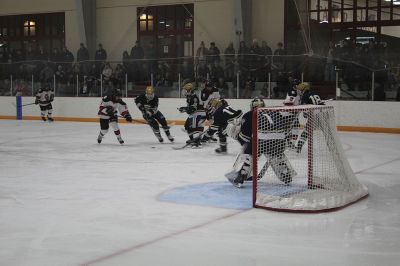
x=151, y=60
x=137, y=54
x=68, y=58
x=329, y=67
x=127, y=64
x=267, y=52
x=222, y=88
x=278, y=60
x=55, y=57
x=256, y=59
x=229, y=62
x=119, y=77
x=243, y=58
x=100, y=56
x=46, y=75
x=216, y=72
x=82, y=57
x=200, y=61
x=107, y=74
x=212, y=55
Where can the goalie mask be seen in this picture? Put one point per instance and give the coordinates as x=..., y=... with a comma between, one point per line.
x=256, y=102
x=292, y=99
x=149, y=93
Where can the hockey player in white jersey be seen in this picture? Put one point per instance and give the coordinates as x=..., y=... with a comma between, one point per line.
x=44, y=98
x=109, y=108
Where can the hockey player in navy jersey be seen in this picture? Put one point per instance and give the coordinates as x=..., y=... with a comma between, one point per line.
x=109, y=108
x=307, y=96
x=208, y=93
x=221, y=114
x=194, y=124
x=44, y=98
x=148, y=104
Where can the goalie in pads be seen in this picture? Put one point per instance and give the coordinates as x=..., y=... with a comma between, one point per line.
x=273, y=140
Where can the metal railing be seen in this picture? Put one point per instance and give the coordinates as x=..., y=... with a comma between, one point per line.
x=246, y=76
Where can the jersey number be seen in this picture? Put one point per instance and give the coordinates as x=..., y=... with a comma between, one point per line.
x=227, y=111
x=315, y=99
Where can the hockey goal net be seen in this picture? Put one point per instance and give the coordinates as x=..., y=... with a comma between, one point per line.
x=300, y=162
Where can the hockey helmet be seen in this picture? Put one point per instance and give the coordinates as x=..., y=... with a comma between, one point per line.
x=257, y=102
x=303, y=86
x=295, y=82
x=214, y=104
x=188, y=87
x=149, y=92
x=291, y=98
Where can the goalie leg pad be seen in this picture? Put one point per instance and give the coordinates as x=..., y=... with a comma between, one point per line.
x=283, y=169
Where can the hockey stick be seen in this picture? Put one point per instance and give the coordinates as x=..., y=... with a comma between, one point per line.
x=189, y=143
x=22, y=105
x=145, y=122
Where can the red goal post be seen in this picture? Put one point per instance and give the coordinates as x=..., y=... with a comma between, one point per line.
x=299, y=161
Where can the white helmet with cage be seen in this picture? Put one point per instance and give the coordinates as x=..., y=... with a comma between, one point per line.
x=257, y=102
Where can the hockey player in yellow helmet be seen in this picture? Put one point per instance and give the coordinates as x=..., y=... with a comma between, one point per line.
x=307, y=95
x=147, y=103
x=194, y=124
x=149, y=92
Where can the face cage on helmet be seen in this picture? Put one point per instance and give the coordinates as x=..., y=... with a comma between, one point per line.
x=150, y=96
x=255, y=104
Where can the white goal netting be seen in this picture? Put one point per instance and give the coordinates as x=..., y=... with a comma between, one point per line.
x=300, y=162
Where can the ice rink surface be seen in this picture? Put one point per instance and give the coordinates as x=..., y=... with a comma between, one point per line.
x=66, y=200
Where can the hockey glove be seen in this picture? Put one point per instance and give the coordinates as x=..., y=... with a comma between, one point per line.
x=146, y=116
x=182, y=109
x=190, y=110
x=128, y=118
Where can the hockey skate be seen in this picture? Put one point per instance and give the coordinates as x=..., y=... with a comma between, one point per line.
x=160, y=139
x=44, y=118
x=236, y=178
x=170, y=138
x=196, y=144
x=221, y=150
x=99, y=139
x=50, y=119
x=121, y=141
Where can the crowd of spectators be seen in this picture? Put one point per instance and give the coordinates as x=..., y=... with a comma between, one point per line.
x=256, y=62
